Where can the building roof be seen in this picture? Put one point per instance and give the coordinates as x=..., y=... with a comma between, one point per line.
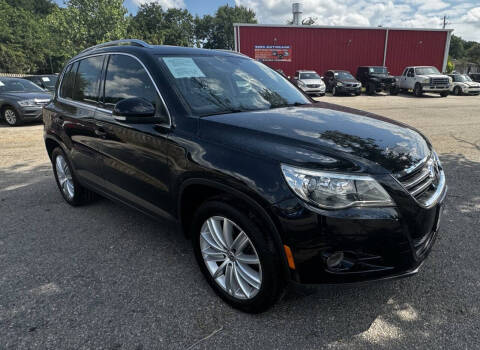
x=338, y=27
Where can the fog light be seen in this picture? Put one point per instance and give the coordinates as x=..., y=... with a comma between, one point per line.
x=335, y=259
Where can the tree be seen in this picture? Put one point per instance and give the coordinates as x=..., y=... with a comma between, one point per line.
x=159, y=27
x=473, y=53
x=217, y=32
x=456, y=47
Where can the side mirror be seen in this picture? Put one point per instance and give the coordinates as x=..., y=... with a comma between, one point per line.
x=134, y=110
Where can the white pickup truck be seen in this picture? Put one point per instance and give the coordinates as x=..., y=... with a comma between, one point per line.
x=424, y=79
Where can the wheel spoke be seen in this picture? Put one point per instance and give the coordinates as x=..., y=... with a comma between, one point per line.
x=247, y=259
x=240, y=242
x=227, y=232
x=249, y=275
x=228, y=279
x=220, y=269
x=212, y=254
x=241, y=283
x=208, y=237
x=216, y=232
x=59, y=166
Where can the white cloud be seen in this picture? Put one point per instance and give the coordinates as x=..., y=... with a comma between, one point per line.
x=463, y=16
x=164, y=3
x=472, y=17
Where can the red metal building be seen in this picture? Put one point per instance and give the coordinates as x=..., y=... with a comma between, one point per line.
x=321, y=48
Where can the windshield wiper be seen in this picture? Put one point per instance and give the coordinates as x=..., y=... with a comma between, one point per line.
x=295, y=104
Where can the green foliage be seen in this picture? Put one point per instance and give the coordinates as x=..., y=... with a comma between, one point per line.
x=216, y=32
x=464, y=50
x=450, y=66
x=159, y=27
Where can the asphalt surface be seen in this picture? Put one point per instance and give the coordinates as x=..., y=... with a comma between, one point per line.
x=105, y=277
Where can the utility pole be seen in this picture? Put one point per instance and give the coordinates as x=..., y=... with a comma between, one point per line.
x=444, y=21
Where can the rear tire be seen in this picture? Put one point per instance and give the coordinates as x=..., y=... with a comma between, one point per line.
x=11, y=116
x=71, y=190
x=240, y=294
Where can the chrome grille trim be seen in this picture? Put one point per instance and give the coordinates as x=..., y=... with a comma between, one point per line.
x=427, y=180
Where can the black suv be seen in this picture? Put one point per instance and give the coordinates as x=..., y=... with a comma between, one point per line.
x=475, y=77
x=269, y=186
x=341, y=82
x=376, y=79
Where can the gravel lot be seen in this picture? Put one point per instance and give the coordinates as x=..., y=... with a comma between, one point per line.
x=104, y=277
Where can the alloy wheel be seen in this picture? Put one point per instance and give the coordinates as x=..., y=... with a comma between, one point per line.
x=10, y=117
x=64, y=177
x=230, y=257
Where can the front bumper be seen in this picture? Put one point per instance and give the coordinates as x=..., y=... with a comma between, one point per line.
x=30, y=113
x=472, y=90
x=349, y=89
x=427, y=87
x=376, y=243
x=317, y=90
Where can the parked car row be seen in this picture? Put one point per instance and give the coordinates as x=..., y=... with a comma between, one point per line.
x=419, y=79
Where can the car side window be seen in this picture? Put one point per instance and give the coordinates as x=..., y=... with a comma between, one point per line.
x=87, y=80
x=126, y=78
x=410, y=72
x=66, y=90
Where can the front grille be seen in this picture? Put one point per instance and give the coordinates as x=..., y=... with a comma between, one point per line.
x=439, y=81
x=422, y=182
x=313, y=85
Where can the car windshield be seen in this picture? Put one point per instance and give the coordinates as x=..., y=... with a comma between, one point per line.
x=461, y=78
x=378, y=70
x=343, y=75
x=18, y=85
x=309, y=75
x=226, y=84
x=49, y=81
x=426, y=71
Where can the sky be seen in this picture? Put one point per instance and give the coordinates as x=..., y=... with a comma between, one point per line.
x=462, y=15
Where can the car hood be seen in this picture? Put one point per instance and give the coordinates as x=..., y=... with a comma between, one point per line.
x=432, y=76
x=348, y=81
x=320, y=135
x=312, y=81
x=26, y=95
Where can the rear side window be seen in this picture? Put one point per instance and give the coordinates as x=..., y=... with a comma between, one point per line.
x=66, y=89
x=87, y=80
x=126, y=78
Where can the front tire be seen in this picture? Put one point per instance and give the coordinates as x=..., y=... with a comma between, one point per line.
x=444, y=94
x=71, y=190
x=457, y=91
x=417, y=90
x=236, y=256
x=334, y=91
x=11, y=117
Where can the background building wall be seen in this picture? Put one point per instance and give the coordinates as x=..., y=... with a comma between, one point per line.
x=324, y=48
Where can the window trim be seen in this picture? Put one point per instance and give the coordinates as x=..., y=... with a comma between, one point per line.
x=81, y=104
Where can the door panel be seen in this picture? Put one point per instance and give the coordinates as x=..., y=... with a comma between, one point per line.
x=75, y=118
x=135, y=165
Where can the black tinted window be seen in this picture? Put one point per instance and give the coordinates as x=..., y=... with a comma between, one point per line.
x=126, y=78
x=87, y=78
x=66, y=89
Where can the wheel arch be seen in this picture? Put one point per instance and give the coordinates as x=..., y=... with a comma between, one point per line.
x=210, y=188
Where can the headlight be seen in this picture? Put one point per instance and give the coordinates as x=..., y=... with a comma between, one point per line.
x=27, y=103
x=335, y=191
x=301, y=83
x=339, y=84
x=426, y=80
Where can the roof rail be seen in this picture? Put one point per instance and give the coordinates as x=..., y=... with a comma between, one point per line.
x=130, y=42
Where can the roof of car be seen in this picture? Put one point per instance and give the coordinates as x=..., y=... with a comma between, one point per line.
x=338, y=70
x=306, y=71
x=158, y=50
